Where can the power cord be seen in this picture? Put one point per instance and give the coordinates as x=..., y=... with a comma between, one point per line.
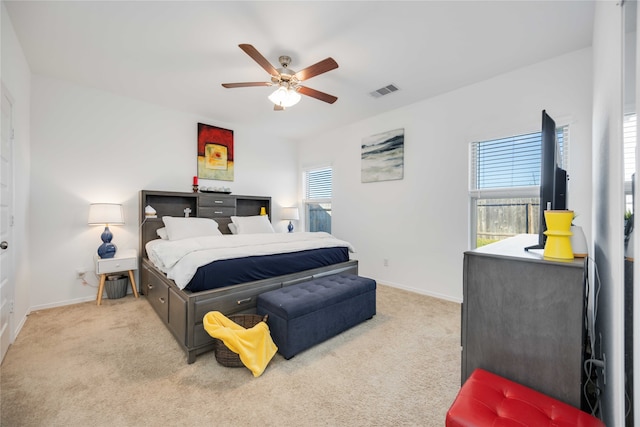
x=85, y=283
x=594, y=408
x=591, y=387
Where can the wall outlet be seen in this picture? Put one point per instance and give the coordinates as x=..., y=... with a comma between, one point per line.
x=385, y=262
x=80, y=273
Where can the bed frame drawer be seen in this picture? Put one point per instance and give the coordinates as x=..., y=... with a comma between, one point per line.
x=157, y=293
x=233, y=302
x=177, y=315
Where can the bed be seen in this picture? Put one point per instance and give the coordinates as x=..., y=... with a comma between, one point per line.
x=229, y=284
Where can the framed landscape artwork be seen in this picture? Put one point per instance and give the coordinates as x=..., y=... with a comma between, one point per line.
x=382, y=157
x=215, y=153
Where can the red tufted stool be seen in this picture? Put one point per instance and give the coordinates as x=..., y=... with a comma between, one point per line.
x=486, y=399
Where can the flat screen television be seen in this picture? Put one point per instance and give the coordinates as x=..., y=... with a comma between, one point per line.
x=553, y=179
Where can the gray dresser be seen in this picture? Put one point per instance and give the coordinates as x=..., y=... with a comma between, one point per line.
x=524, y=318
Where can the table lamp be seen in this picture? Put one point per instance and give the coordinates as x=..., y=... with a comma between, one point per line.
x=105, y=214
x=290, y=214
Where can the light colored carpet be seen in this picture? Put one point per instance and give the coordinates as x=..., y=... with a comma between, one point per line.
x=117, y=365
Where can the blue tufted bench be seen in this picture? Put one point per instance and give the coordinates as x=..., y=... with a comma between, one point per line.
x=308, y=313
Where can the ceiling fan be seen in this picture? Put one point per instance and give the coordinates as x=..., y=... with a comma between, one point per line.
x=288, y=81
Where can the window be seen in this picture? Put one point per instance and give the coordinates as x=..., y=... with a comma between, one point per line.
x=505, y=185
x=317, y=198
x=629, y=139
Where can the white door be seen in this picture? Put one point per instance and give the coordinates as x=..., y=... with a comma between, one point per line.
x=6, y=222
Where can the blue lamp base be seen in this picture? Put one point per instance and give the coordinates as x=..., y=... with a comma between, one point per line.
x=106, y=249
x=290, y=227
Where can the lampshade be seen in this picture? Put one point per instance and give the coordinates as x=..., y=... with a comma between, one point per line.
x=106, y=213
x=290, y=213
x=284, y=97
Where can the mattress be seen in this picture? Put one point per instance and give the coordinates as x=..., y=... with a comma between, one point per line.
x=181, y=259
x=229, y=272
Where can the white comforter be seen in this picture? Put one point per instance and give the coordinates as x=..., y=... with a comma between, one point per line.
x=180, y=259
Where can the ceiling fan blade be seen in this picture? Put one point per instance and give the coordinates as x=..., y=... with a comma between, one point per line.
x=261, y=60
x=316, y=69
x=317, y=94
x=247, y=84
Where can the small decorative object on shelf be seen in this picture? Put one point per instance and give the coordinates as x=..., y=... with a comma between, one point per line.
x=558, y=245
x=221, y=190
x=149, y=212
x=263, y=210
x=195, y=184
x=579, y=242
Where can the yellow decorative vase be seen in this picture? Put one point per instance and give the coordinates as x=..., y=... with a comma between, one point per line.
x=558, y=245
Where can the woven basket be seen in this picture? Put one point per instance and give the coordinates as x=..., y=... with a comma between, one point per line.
x=226, y=357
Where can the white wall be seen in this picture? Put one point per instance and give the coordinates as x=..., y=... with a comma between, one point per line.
x=608, y=213
x=636, y=247
x=92, y=146
x=420, y=223
x=15, y=76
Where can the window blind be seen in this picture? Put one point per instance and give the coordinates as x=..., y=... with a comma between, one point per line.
x=513, y=161
x=629, y=139
x=318, y=184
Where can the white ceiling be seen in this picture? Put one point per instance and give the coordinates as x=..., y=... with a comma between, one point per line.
x=177, y=54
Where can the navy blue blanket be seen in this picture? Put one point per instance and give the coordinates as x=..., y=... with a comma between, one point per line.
x=219, y=274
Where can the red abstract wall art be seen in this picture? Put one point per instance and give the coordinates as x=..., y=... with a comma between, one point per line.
x=215, y=153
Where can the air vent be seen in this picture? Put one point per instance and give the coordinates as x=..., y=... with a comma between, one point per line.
x=384, y=91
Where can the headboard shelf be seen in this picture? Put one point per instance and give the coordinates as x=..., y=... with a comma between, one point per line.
x=169, y=204
x=204, y=205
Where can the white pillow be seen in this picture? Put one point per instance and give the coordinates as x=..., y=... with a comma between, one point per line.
x=162, y=233
x=252, y=224
x=179, y=228
x=232, y=228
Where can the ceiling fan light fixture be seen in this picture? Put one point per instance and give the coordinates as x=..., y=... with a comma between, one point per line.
x=285, y=97
x=287, y=82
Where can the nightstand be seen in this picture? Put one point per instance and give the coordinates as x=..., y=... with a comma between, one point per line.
x=124, y=260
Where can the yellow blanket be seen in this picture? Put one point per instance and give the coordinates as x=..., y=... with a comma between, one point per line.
x=254, y=345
